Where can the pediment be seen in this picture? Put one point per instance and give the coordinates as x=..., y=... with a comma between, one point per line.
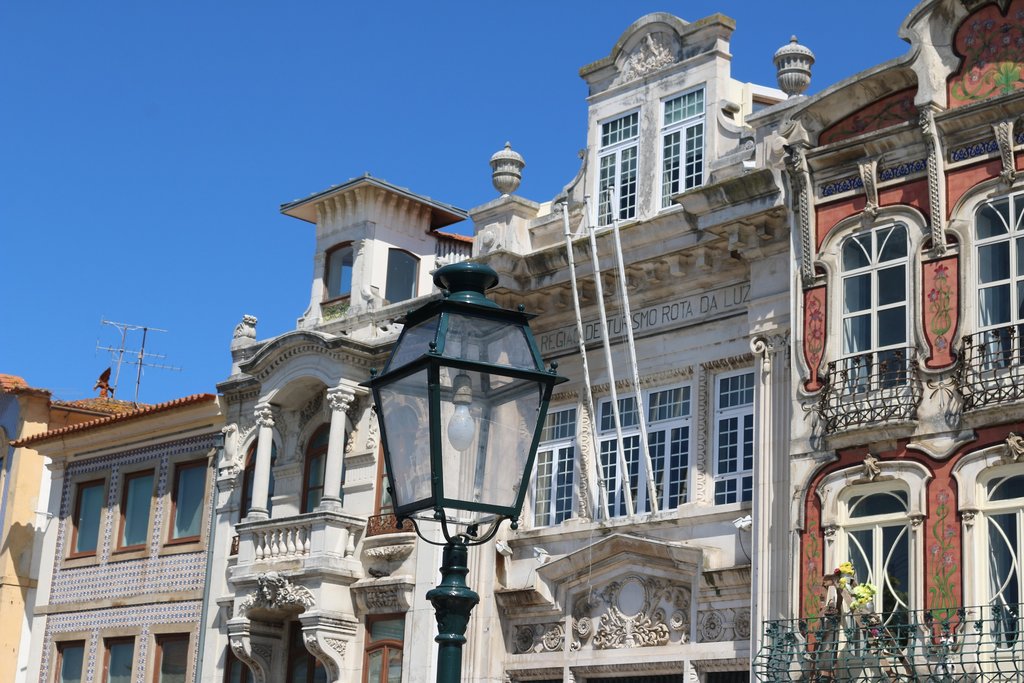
x=611, y=604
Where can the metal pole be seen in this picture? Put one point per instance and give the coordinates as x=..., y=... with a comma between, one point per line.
x=453, y=600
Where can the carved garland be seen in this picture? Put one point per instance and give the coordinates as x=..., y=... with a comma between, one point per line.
x=936, y=195
x=796, y=163
x=274, y=592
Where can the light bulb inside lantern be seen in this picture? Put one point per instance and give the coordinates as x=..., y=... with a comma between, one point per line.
x=461, y=425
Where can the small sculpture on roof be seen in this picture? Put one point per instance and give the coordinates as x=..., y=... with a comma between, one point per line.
x=103, y=384
x=507, y=170
x=247, y=328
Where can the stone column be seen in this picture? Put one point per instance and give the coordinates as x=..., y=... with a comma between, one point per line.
x=339, y=398
x=771, y=582
x=261, y=475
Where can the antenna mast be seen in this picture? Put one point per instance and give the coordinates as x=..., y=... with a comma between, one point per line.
x=121, y=354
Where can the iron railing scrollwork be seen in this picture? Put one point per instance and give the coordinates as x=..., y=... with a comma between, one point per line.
x=387, y=523
x=992, y=367
x=878, y=386
x=976, y=644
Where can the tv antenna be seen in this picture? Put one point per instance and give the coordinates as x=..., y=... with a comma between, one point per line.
x=140, y=358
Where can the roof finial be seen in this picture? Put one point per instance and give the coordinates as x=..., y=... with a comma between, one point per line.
x=507, y=170
x=793, y=66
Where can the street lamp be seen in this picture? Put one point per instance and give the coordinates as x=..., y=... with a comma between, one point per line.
x=461, y=404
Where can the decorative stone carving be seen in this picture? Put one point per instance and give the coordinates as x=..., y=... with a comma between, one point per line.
x=631, y=612
x=264, y=415
x=653, y=54
x=257, y=657
x=712, y=627
x=1014, y=447
x=247, y=328
x=868, y=174
x=276, y=593
x=231, y=462
x=340, y=399
x=793, y=63
x=312, y=408
x=507, y=170
x=936, y=175
x=796, y=165
x=1004, y=138
x=534, y=638
x=586, y=455
x=871, y=468
x=741, y=625
x=389, y=553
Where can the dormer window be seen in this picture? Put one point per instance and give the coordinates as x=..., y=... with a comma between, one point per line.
x=338, y=274
x=618, y=166
x=403, y=269
x=682, y=164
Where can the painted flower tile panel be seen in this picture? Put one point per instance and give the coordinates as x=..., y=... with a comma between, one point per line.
x=992, y=47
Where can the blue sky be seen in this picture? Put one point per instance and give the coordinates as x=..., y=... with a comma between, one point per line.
x=147, y=146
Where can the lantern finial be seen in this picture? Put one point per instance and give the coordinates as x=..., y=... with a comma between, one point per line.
x=467, y=282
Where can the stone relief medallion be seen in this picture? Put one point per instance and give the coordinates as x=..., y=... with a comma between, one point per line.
x=631, y=612
x=538, y=638
x=712, y=627
x=742, y=623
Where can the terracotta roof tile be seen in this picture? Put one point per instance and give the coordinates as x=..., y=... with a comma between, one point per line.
x=110, y=406
x=137, y=412
x=12, y=382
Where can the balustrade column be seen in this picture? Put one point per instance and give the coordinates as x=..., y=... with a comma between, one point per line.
x=261, y=474
x=339, y=398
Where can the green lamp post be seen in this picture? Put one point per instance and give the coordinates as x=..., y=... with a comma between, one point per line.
x=461, y=404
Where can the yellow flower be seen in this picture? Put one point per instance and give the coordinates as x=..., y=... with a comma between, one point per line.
x=846, y=568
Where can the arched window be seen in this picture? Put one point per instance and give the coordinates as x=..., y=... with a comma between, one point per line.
x=247, y=477
x=338, y=272
x=1004, y=538
x=316, y=464
x=384, y=636
x=403, y=269
x=877, y=541
x=1000, y=267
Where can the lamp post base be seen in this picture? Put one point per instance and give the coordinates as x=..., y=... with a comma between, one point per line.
x=453, y=600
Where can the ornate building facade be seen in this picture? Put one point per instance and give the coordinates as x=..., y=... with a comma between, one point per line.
x=124, y=552
x=905, y=469
x=633, y=559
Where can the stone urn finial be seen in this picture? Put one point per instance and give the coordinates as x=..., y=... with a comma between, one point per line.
x=507, y=170
x=793, y=64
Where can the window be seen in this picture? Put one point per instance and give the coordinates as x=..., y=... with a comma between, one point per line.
x=1004, y=514
x=136, y=503
x=119, y=653
x=682, y=144
x=556, y=456
x=874, y=314
x=234, y=670
x=403, y=268
x=247, y=477
x=70, y=661
x=618, y=167
x=734, y=439
x=384, y=637
x=877, y=539
x=187, y=501
x=668, y=437
x=338, y=275
x=303, y=667
x=88, y=512
x=171, y=658
x=1000, y=245
x=316, y=464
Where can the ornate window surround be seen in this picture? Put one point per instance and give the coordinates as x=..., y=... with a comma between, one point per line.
x=875, y=476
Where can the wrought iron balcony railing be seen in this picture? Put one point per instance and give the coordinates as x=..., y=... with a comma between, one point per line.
x=879, y=386
x=386, y=523
x=975, y=644
x=992, y=367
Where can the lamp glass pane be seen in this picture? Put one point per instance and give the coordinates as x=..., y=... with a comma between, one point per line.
x=405, y=409
x=488, y=341
x=503, y=413
x=414, y=342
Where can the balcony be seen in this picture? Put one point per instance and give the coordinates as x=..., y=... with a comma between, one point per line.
x=880, y=386
x=387, y=523
x=308, y=543
x=992, y=367
x=975, y=644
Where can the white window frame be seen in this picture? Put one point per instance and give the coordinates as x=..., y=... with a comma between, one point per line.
x=881, y=553
x=734, y=486
x=874, y=309
x=672, y=426
x=555, y=456
x=618, y=152
x=990, y=509
x=685, y=127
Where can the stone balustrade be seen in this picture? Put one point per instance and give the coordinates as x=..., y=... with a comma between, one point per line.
x=298, y=542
